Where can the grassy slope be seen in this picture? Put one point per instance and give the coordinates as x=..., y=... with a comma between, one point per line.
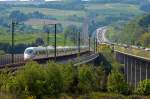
x=104, y=11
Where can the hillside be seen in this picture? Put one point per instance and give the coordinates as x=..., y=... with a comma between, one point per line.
x=135, y=32
x=66, y=14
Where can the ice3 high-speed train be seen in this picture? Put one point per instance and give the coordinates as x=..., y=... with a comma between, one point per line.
x=36, y=52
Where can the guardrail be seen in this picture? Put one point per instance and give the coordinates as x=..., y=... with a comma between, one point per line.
x=87, y=59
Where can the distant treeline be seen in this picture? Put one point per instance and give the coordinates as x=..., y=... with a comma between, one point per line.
x=145, y=7
x=20, y=17
x=135, y=32
x=120, y=1
x=19, y=48
x=56, y=5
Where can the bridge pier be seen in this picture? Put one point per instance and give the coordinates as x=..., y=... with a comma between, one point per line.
x=131, y=71
x=146, y=70
x=135, y=68
x=135, y=64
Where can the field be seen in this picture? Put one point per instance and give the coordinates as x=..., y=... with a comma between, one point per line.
x=41, y=22
x=60, y=14
x=115, y=6
x=30, y=38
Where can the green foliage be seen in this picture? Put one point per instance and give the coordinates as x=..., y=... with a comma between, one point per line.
x=100, y=76
x=54, y=80
x=68, y=74
x=29, y=81
x=36, y=80
x=116, y=66
x=71, y=32
x=5, y=76
x=87, y=79
x=101, y=95
x=145, y=39
x=134, y=32
x=116, y=83
x=145, y=21
x=2, y=52
x=143, y=88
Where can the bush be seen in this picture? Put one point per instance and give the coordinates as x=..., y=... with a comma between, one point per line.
x=116, y=83
x=101, y=78
x=54, y=80
x=36, y=80
x=87, y=79
x=51, y=80
x=68, y=74
x=29, y=81
x=5, y=77
x=143, y=88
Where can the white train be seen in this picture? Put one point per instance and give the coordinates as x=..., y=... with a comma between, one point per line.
x=38, y=52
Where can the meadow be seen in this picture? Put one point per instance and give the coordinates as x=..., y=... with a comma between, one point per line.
x=30, y=38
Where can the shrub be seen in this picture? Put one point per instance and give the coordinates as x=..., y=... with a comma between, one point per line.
x=86, y=79
x=50, y=80
x=37, y=81
x=143, y=88
x=100, y=78
x=116, y=83
x=5, y=77
x=54, y=80
x=29, y=81
x=68, y=74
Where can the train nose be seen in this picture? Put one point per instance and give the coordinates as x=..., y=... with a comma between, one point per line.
x=26, y=57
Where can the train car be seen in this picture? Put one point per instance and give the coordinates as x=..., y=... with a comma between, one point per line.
x=33, y=52
x=41, y=52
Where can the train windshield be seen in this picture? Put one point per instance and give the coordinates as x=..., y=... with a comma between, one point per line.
x=29, y=51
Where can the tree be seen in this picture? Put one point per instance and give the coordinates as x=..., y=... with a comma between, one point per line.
x=36, y=80
x=39, y=42
x=36, y=14
x=145, y=21
x=18, y=16
x=87, y=79
x=68, y=74
x=72, y=1
x=51, y=29
x=145, y=39
x=71, y=32
x=116, y=83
